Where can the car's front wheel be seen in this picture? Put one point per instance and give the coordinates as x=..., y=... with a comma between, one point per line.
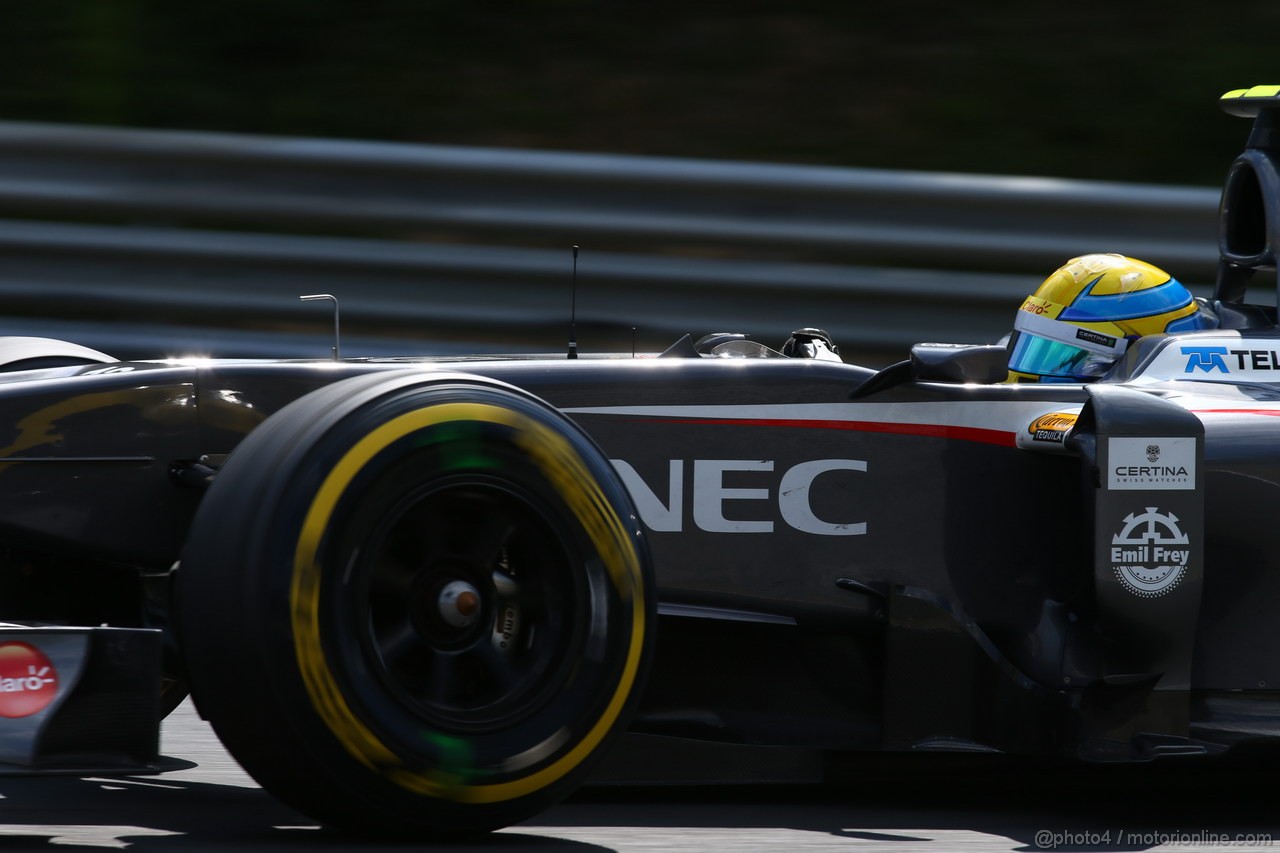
x=416, y=605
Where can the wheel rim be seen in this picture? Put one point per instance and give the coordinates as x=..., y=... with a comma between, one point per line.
x=466, y=604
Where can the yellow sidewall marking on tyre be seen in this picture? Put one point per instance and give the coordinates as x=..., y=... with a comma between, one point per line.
x=566, y=471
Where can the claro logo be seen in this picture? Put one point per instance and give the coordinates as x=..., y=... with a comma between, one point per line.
x=28, y=681
x=790, y=491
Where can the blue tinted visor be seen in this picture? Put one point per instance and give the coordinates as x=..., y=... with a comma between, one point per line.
x=1033, y=354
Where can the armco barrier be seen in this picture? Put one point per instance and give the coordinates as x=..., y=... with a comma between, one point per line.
x=436, y=246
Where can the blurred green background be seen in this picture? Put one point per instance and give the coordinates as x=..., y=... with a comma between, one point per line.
x=1122, y=91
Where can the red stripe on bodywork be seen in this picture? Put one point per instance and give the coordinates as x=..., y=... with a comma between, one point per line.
x=1274, y=413
x=983, y=436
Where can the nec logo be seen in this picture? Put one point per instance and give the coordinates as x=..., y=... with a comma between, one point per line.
x=1207, y=359
x=1211, y=359
x=710, y=496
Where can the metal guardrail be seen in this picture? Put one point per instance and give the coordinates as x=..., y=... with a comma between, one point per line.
x=435, y=244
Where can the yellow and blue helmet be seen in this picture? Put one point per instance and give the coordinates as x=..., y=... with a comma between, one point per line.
x=1082, y=319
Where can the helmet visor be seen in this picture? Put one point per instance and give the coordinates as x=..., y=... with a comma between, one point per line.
x=1030, y=353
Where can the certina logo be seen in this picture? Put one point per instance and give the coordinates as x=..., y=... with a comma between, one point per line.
x=790, y=492
x=1225, y=360
x=28, y=681
x=1152, y=472
x=1095, y=337
x=1163, y=463
x=1149, y=555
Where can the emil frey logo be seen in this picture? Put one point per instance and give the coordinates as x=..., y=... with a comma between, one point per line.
x=28, y=681
x=1145, y=554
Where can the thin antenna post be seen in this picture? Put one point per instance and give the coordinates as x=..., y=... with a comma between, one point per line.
x=315, y=297
x=573, y=309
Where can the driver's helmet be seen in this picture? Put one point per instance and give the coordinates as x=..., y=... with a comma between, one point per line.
x=1082, y=319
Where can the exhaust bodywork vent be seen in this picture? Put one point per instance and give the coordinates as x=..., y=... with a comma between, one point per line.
x=1248, y=223
x=1249, y=217
x=1243, y=220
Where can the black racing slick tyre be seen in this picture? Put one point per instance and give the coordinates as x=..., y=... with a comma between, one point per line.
x=416, y=605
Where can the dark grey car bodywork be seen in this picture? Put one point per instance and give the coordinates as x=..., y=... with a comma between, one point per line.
x=846, y=559
x=913, y=567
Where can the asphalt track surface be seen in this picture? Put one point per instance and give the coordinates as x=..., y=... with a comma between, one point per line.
x=951, y=803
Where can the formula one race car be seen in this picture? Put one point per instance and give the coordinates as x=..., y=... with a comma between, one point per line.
x=421, y=596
